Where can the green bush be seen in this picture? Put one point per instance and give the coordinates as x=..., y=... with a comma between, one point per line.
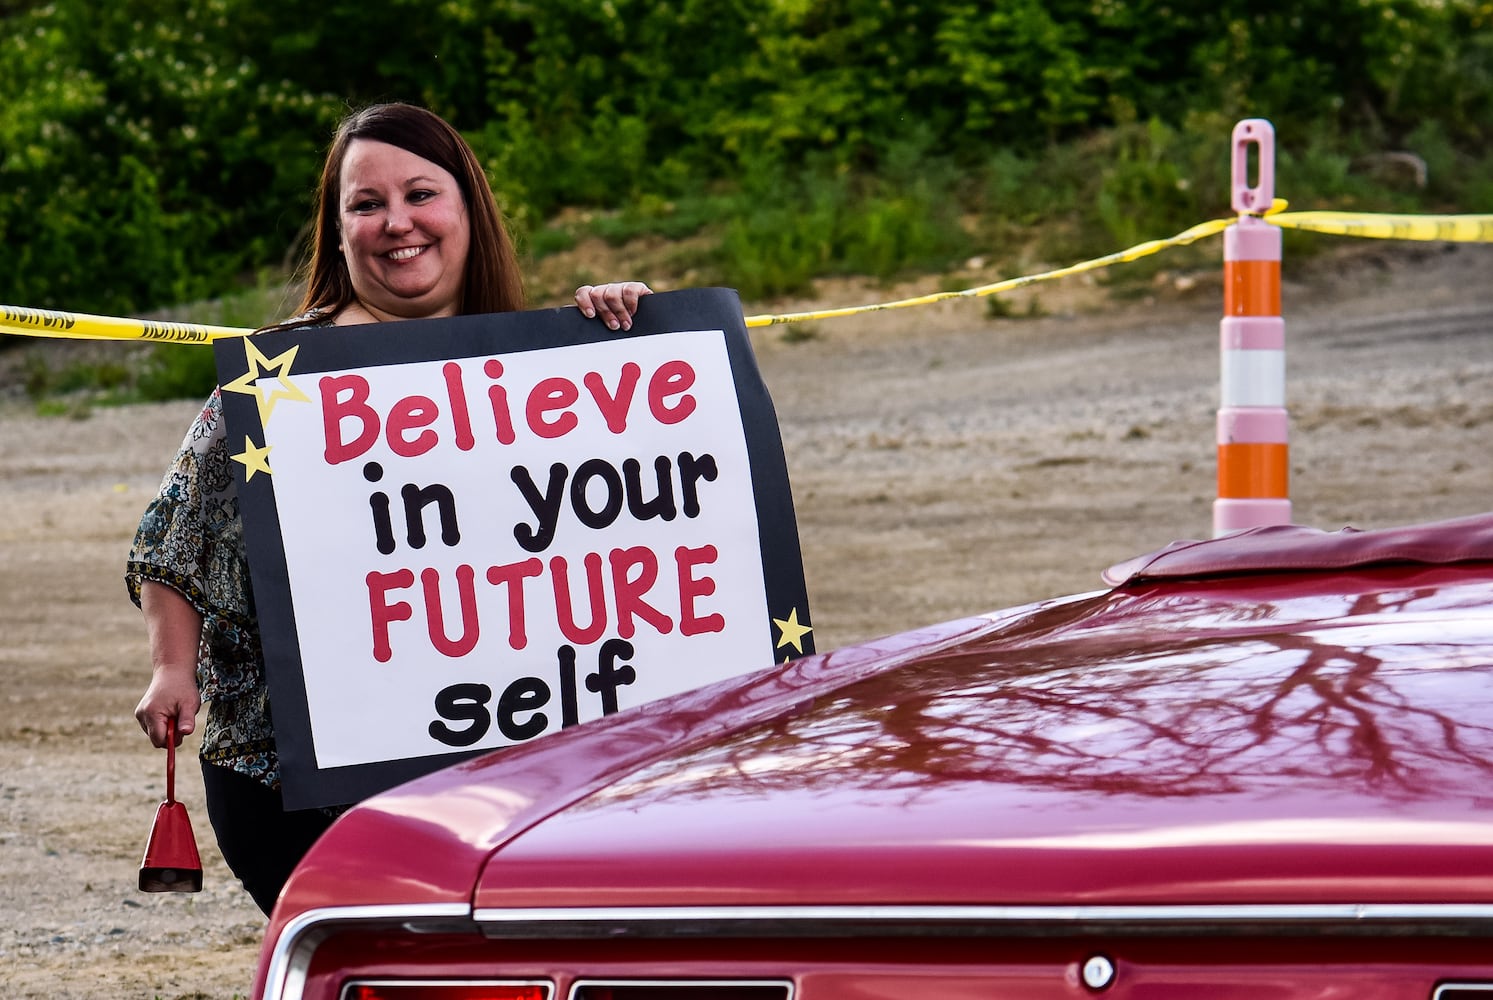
x=145, y=161
x=156, y=151
x=1145, y=191
x=177, y=371
x=780, y=233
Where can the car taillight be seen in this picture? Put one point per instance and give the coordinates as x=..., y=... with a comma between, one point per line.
x=682, y=990
x=445, y=990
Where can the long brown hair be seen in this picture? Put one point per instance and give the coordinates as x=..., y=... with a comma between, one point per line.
x=492, y=282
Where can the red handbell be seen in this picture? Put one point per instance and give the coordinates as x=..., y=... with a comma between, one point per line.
x=171, y=863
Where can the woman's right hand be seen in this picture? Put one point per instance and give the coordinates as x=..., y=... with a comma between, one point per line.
x=174, y=628
x=172, y=695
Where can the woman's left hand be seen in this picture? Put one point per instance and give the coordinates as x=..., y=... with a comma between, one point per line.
x=615, y=302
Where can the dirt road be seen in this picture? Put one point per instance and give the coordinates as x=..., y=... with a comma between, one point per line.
x=943, y=463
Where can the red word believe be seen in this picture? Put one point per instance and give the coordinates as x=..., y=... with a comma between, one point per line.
x=415, y=424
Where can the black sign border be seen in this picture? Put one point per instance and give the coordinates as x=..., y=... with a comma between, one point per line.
x=321, y=349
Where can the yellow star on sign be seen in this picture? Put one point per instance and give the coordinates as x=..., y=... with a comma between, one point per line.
x=792, y=631
x=267, y=380
x=254, y=459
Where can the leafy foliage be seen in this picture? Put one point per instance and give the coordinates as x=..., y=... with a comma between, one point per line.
x=157, y=151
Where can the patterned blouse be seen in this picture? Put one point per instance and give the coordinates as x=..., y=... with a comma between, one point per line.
x=191, y=539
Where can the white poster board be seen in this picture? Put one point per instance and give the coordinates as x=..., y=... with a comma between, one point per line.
x=468, y=533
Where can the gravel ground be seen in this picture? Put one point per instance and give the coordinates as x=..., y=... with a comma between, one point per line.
x=944, y=463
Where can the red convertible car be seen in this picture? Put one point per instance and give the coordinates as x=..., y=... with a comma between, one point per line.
x=1258, y=767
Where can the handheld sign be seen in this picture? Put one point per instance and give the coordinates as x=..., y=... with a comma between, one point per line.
x=466, y=533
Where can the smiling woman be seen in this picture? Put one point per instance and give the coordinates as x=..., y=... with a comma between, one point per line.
x=406, y=228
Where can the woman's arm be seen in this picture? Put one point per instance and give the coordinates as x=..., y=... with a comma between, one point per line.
x=174, y=628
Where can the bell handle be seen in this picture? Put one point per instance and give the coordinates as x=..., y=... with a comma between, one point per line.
x=171, y=760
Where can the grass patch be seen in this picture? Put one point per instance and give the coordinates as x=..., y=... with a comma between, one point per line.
x=73, y=382
x=799, y=333
x=670, y=219
x=774, y=229
x=997, y=307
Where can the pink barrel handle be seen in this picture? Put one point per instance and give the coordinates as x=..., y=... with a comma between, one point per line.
x=1260, y=134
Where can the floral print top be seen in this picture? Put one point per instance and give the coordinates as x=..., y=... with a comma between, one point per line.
x=191, y=538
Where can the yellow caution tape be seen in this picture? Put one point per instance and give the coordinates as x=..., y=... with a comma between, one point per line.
x=1450, y=228
x=1134, y=253
x=1438, y=228
x=1441, y=228
x=80, y=326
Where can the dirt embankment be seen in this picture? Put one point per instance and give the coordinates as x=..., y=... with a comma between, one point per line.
x=943, y=463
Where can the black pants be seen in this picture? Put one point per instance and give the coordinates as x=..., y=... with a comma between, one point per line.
x=261, y=842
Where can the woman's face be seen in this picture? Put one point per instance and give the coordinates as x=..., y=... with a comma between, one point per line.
x=405, y=232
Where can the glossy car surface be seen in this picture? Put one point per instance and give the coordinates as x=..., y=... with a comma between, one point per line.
x=1258, y=766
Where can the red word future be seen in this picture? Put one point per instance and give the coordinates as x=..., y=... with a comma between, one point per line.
x=619, y=593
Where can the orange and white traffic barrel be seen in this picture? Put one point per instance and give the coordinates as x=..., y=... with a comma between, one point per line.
x=1253, y=446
